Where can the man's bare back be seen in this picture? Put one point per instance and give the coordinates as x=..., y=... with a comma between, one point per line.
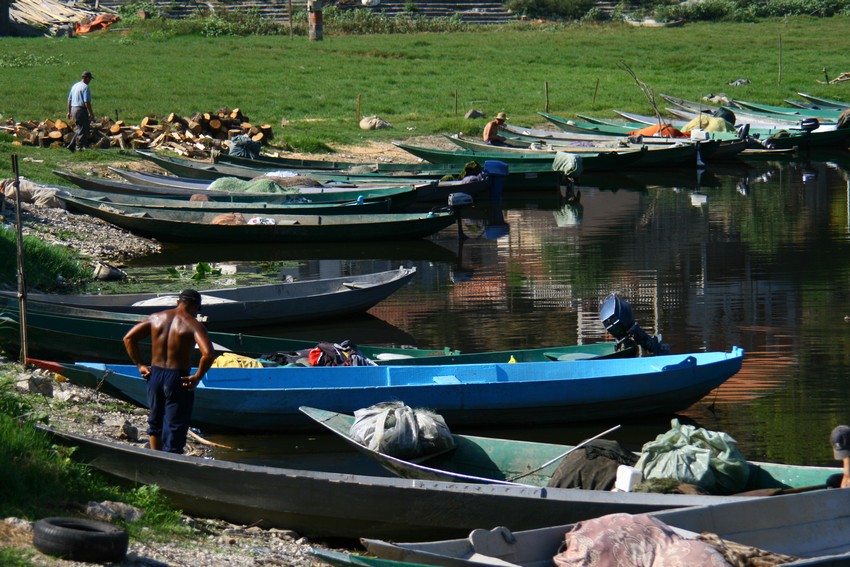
x=173, y=333
x=173, y=336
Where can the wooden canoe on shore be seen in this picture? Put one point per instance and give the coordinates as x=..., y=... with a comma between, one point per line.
x=257, y=305
x=141, y=203
x=809, y=526
x=199, y=226
x=165, y=186
x=491, y=460
x=320, y=504
x=60, y=332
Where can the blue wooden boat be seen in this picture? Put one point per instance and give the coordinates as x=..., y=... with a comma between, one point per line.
x=267, y=399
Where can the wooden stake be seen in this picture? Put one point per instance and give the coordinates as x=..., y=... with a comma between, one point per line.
x=22, y=287
x=358, y=109
x=595, y=90
x=780, y=60
x=455, y=102
x=546, y=91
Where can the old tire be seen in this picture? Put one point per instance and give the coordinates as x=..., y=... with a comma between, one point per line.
x=80, y=540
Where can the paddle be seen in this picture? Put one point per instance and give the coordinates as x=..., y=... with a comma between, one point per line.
x=564, y=454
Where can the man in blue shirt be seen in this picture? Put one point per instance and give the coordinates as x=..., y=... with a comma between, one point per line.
x=79, y=109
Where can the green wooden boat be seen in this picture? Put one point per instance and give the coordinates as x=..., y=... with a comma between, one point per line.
x=169, y=187
x=211, y=171
x=427, y=170
x=791, y=113
x=530, y=163
x=825, y=101
x=197, y=226
x=154, y=203
x=490, y=460
x=65, y=333
x=342, y=559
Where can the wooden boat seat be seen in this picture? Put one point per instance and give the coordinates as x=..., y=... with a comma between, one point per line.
x=569, y=356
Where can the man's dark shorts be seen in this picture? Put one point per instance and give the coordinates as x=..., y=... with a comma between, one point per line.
x=170, y=406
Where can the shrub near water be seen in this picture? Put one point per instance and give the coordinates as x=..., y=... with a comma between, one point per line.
x=46, y=267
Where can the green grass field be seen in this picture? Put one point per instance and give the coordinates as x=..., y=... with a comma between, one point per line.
x=421, y=83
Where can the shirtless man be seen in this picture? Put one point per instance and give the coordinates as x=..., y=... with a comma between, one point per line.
x=491, y=130
x=171, y=391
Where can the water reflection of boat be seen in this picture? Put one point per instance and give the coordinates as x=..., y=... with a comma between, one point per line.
x=191, y=253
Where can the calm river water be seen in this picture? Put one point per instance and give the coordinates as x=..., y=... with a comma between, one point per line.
x=753, y=255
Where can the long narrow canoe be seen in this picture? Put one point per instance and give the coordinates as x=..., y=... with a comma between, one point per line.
x=825, y=101
x=320, y=504
x=540, y=163
x=212, y=171
x=161, y=186
x=386, y=168
x=823, y=115
x=683, y=153
x=491, y=460
x=810, y=527
x=465, y=394
x=246, y=306
x=61, y=332
x=189, y=226
x=141, y=202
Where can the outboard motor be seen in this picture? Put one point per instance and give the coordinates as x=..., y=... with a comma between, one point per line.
x=809, y=125
x=616, y=316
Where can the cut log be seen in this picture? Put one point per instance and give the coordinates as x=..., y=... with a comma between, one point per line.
x=148, y=122
x=215, y=124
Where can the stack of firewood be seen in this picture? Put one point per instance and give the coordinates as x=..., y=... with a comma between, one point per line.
x=193, y=137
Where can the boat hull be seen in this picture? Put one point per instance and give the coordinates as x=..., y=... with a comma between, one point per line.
x=325, y=504
x=469, y=394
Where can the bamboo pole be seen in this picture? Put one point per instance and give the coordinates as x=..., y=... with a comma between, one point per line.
x=22, y=288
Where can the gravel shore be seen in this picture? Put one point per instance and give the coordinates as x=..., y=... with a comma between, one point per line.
x=218, y=543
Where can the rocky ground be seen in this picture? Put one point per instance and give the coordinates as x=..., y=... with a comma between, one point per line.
x=219, y=543
x=222, y=543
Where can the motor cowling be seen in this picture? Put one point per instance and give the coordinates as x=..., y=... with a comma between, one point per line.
x=616, y=316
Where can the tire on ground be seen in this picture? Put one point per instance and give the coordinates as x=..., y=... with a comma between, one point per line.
x=79, y=539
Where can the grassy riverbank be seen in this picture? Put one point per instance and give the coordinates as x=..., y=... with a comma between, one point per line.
x=421, y=83
x=40, y=480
